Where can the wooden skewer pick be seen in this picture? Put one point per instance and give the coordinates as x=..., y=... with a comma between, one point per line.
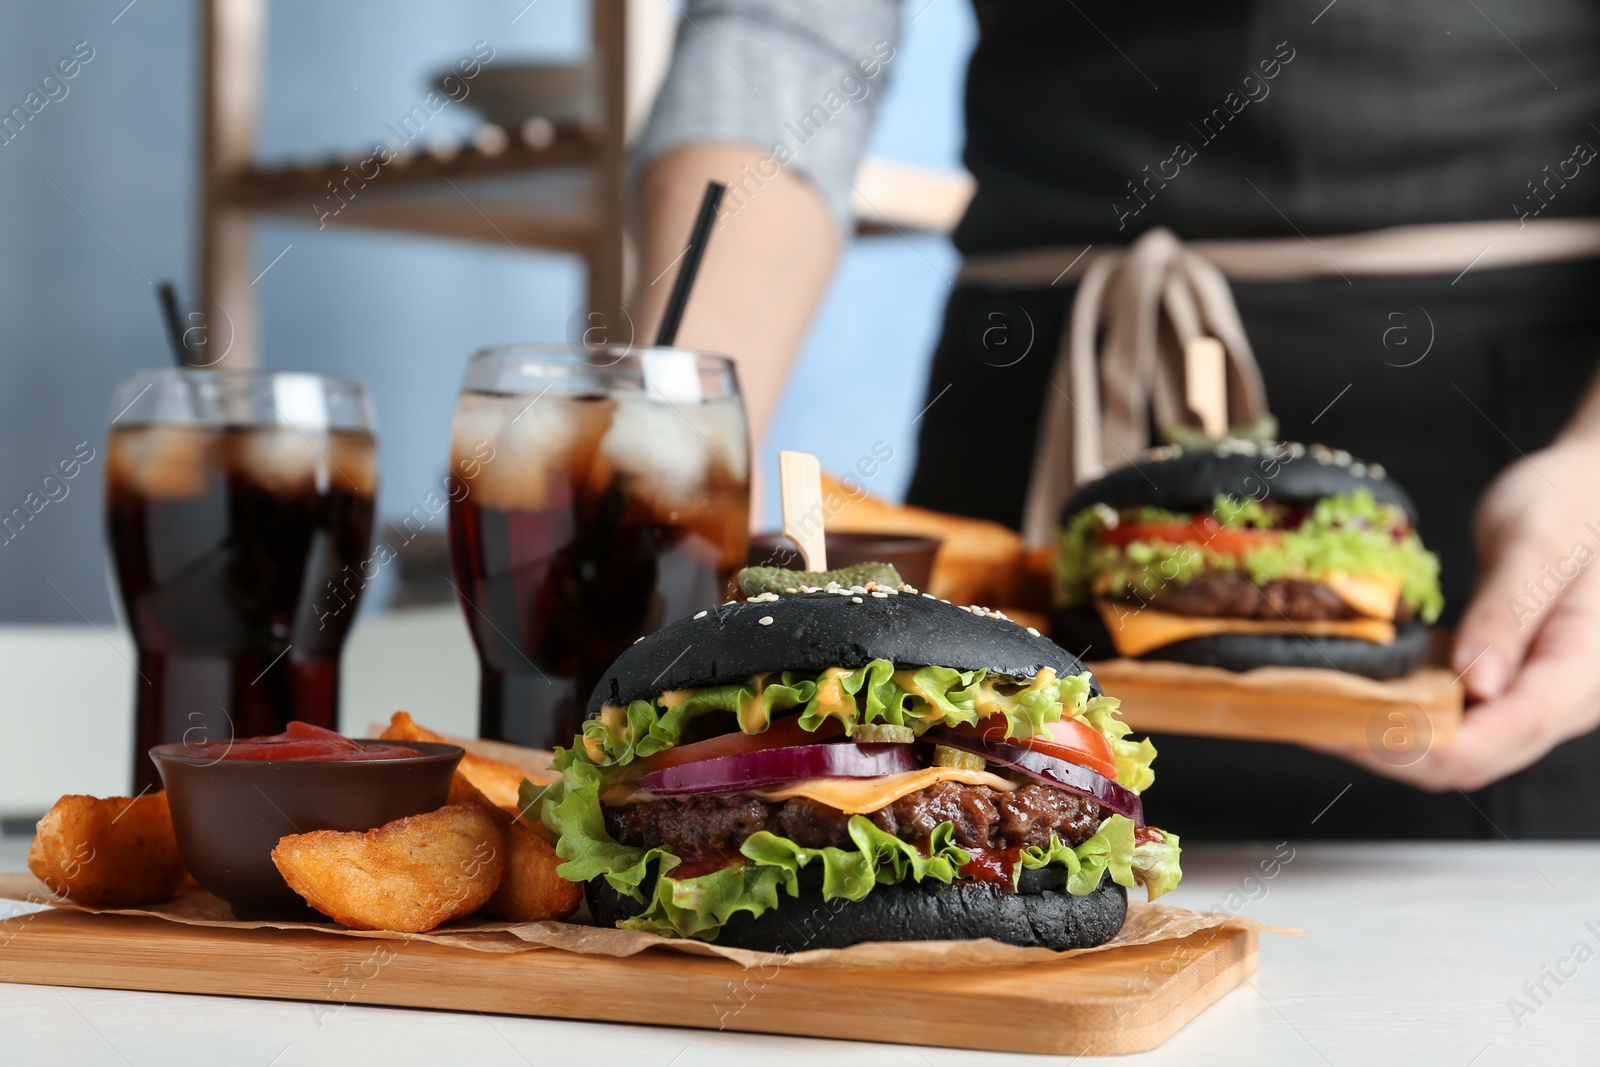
x=1205, y=383
x=800, y=480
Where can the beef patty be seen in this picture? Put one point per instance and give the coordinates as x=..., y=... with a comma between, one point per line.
x=982, y=817
x=1233, y=594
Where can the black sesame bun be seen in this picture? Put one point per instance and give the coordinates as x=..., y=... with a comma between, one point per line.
x=811, y=632
x=1039, y=914
x=1179, y=479
x=1084, y=631
x=815, y=631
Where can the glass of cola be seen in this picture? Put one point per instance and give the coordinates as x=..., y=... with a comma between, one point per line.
x=239, y=509
x=604, y=493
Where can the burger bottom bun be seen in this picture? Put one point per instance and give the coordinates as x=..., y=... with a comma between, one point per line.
x=1041, y=913
x=1082, y=632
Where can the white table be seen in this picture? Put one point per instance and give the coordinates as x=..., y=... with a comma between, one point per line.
x=1415, y=950
x=1413, y=954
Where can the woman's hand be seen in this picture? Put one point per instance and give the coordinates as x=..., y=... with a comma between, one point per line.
x=1528, y=647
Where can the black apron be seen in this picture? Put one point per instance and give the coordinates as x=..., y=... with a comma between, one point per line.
x=1443, y=379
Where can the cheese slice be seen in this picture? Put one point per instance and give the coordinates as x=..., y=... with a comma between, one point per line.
x=859, y=796
x=1374, y=595
x=1142, y=630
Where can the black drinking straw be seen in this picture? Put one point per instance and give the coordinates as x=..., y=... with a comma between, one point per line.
x=168, y=295
x=673, y=316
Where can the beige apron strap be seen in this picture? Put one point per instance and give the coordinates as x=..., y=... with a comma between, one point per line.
x=1429, y=248
x=1078, y=399
x=1142, y=355
x=1069, y=423
x=1129, y=360
x=1151, y=298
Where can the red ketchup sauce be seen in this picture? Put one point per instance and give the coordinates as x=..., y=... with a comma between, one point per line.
x=703, y=863
x=997, y=865
x=305, y=743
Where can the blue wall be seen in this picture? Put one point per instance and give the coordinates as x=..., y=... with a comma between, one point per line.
x=77, y=305
x=879, y=323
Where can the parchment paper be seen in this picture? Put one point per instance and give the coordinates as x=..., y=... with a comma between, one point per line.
x=1146, y=924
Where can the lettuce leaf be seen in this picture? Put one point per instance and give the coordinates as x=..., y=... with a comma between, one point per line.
x=879, y=858
x=875, y=693
x=1155, y=865
x=648, y=729
x=1133, y=758
x=1353, y=534
x=1350, y=533
x=1029, y=709
x=571, y=809
x=1080, y=558
x=1112, y=851
x=699, y=906
x=950, y=696
x=1248, y=512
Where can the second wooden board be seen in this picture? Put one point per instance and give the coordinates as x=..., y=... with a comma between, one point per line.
x=1296, y=704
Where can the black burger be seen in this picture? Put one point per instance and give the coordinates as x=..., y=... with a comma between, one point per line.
x=837, y=763
x=1247, y=554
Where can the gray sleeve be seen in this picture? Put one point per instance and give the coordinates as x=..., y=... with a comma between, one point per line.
x=799, y=79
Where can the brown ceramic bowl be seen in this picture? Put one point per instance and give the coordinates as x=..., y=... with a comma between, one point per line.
x=229, y=814
x=910, y=554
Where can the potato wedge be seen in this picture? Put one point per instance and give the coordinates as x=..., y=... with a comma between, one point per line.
x=110, y=853
x=402, y=727
x=530, y=890
x=497, y=780
x=462, y=791
x=409, y=875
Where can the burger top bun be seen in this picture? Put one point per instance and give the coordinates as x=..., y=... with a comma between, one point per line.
x=811, y=632
x=1180, y=479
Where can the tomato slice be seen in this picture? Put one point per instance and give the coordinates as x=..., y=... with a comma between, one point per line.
x=1200, y=530
x=1070, y=739
x=1076, y=742
x=782, y=733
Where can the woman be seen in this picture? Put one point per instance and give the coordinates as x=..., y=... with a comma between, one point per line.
x=1468, y=376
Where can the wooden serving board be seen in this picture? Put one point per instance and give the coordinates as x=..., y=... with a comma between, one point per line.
x=1122, y=1000
x=1297, y=704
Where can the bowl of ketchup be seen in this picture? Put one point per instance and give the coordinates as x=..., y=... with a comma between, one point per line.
x=233, y=800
